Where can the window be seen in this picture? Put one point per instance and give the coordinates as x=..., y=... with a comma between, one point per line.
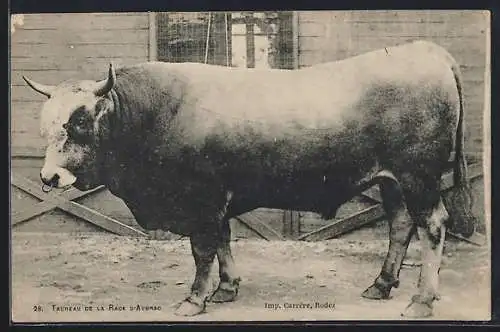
x=240, y=39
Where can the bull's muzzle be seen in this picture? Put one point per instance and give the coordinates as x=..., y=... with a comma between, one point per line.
x=56, y=177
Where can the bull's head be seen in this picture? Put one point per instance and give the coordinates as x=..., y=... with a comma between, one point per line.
x=70, y=122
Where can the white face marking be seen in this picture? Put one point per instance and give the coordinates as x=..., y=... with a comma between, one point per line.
x=56, y=112
x=58, y=109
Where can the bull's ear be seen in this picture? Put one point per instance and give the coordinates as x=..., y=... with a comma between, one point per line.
x=40, y=88
x=104, y=86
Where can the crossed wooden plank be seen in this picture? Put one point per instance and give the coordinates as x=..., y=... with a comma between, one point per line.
x=376, y=211
x=259, y=227
x=65, y=202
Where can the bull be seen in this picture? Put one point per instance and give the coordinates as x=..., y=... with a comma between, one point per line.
x=188, y=146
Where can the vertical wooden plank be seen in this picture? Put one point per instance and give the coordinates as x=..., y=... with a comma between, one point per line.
x=486, y=139
x=287, y=224
x=152, y=51
x=295, y=39
x=218, y=40
x=229, y=46
x=291, y=224
x=250, y=41
x=347, y=224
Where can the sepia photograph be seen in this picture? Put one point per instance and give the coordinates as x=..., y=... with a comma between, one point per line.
x=250, y=166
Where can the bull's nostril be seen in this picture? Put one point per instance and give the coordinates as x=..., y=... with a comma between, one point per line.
x=44, y=180
x=54, y=181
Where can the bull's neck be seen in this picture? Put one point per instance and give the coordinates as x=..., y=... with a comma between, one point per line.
x=112, y=143
x=122, y=132
x=123, y=135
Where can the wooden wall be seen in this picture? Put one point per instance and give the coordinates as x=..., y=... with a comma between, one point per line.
x=50, y=48
x=181, y=37
x=327, y=36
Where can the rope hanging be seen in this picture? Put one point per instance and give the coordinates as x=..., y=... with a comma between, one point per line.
x=208, y=36
x=209, y=26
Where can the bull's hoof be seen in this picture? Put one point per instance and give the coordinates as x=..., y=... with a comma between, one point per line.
x=417, y=309
x=188, y=307
x=224, y=294
x=469, y=228
x=376, y=292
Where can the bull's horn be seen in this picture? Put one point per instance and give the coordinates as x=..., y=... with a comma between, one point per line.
x=104, y=86
x=41, y=88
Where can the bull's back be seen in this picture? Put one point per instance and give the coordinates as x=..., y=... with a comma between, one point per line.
x=314, y=105
x=330, y=96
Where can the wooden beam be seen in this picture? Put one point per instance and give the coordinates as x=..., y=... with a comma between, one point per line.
x=250, y=19
x=375, y=212
x=152, y=51
x=476, y=238
x=250, y=42
x=473, y=171
x=373, y=194
x=27, y=152
x=259, y=227
x=228, y=39
x=45, y=206
x=295, y=39
x=99, y=219
x=345, y=225
x=255, y=34
x=76, y=209
x=291, y=224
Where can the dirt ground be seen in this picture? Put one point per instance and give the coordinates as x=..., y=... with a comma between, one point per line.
x=148, y=277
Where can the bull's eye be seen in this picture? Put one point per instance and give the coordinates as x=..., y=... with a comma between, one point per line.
x=80, y=126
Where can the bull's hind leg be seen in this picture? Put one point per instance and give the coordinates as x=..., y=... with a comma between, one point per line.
x=432, y=249
x=229, y=282
x=426, y=207
x=401, y=229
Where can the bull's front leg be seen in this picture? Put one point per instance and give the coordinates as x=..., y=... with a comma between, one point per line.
x=229, y=281
x=203, y=248
x=205, y=245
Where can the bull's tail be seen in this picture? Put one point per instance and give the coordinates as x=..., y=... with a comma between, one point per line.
x=461, y=220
